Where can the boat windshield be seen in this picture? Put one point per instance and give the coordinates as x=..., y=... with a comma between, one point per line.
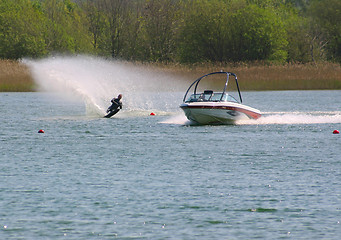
x=211, y=97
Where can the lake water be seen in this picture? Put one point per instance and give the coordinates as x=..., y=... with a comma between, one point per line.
x=137, y=176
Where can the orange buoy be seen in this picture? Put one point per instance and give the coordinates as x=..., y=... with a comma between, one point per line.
x=41, y=131
x=336, y=131
x=152, y=114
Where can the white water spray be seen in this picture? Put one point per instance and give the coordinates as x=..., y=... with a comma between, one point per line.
x=271, y=118
x=317, y=117
x=96, y=81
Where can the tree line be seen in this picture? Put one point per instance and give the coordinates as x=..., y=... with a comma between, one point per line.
x=184, y=31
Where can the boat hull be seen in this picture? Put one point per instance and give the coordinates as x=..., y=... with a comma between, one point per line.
x=218, y=112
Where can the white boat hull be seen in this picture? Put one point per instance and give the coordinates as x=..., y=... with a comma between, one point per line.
x=218, y=112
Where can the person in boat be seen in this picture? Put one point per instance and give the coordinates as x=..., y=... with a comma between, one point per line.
x=116, y=103
x=202, y=97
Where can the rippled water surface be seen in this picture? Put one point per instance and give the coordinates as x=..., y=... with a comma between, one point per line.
x=155, y=177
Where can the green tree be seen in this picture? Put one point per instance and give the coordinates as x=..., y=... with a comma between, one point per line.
x=204, y=35
x=133, y=45
x=326, y=28
x=96, y=21
x=299, y=42
x=258, y=34
x=114, y=13
x=174, y=30
x=158, y=29
x=232, y=31
x=66, y=31
x=21, y=29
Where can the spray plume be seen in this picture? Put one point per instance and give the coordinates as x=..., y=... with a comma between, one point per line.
x=96, y=81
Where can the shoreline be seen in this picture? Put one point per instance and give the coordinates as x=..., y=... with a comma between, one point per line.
x=16, y=76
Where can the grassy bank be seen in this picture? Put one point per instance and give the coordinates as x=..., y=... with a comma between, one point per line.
x=16, y=77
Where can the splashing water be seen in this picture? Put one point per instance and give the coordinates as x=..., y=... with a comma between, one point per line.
x=269, y=118
x=96, y=81
x=317, y=117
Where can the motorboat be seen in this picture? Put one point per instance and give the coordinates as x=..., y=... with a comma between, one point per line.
x=209, y=107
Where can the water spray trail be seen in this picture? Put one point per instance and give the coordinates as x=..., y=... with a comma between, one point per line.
x=284, y=118
x=295, y=118
x=96, y=81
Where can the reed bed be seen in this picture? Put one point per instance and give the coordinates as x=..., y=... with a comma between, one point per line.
x=15, y=77
x=261, y=76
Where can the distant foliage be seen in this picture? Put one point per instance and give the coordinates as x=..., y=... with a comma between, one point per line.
x=185, y=31
x=21, y=30
x=326, y=20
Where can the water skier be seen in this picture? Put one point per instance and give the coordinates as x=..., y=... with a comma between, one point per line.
x=115, y=106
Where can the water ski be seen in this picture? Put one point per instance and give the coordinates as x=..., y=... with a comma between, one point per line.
x=112, y=113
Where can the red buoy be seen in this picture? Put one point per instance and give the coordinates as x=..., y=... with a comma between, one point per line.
x=152, y=114
x=336, y=131
x=41, y=131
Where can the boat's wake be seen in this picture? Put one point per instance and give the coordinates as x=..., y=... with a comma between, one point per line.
x=275, y=118
x=295, y=118
x=179, y=119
